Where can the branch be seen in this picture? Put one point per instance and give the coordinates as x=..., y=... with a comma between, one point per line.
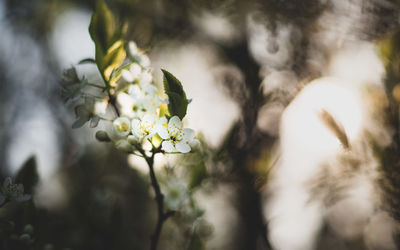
x=162, y=215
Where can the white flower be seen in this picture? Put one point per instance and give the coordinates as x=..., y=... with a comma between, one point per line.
x=126, y=104
x=175, y=192
x=145, y=77
x=127, y=76
x=12, y=192
x=100, y=107
x=122, y=126
x=132, y=48
x=133, y=73
x=144, y=128
x=138, y=55
x=176, y=138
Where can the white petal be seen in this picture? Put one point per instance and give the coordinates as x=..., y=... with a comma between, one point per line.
x=132, y=48
x=135, y=92
x=194, y=144
x=163, y=120
x=144, y=60
x=135, y=69
x=127, y=76
x=183, y=147
x=125, y=102
x=148, y=119
x=162, y=131
x=152, y=133
x=167, y=146
x=100, y=108
x=188, y=134
x=149, y=89
x=174, y=125
x=136, y=131
x=146, y=78
x=122, y=126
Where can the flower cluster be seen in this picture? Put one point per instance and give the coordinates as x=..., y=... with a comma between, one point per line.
x=143, y=114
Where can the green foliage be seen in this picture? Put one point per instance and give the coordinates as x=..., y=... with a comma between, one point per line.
x=28, y=175
x=110, y=51
x=102, y=26
x=177, y=98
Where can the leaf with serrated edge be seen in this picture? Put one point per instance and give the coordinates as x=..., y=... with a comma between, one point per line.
x=176, y=95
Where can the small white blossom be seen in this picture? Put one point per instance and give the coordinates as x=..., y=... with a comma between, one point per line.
x=12, y=192
x=122, y=126
x=175, y=192
x=100, y=107
x=126, y=105
x=146, y=127
x=138, y=55
x=176, y=138
x=145, y=77
x=133, y=73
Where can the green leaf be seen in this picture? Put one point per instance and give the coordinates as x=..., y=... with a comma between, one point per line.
x=177, y=97
x=87, y=60
x=114, y=57
x=102, y=26
x=177, y=105
x=172, y=84
x=28, y=175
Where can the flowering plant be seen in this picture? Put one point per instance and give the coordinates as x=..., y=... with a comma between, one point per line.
x=140, y=116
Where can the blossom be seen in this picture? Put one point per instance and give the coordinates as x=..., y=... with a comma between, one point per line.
x=138, y=55
x=89, y=110
x=145, y=127
x=131, y=74
x=139, y=101
x=12, y=192
x=175, y=192
x=176, y=138
x=122, y=126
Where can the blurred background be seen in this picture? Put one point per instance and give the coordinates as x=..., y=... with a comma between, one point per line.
x=284, y=163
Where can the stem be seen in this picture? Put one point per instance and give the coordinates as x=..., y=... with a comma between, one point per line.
x=95, y=85
x=162, y=215
x=111, y=98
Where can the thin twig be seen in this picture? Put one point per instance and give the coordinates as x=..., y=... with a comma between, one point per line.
x=162, y=215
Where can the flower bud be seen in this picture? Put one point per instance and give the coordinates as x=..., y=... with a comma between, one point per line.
x=102, y=135
x=132, y=139
x=124, y=145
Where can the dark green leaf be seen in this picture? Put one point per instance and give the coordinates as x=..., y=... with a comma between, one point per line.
x=102, y=26
x=113, y=59
x=87, y=60
x=176, y=95
x=177, y=105
x=28, y=175
x=172, y=84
